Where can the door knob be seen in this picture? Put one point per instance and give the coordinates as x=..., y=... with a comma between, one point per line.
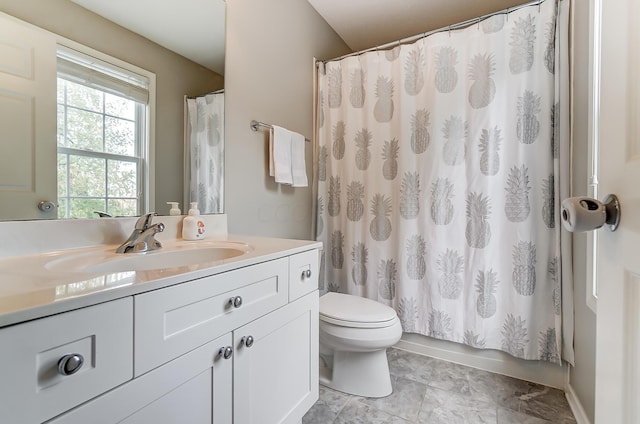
x=586, y=214
x=47, y=206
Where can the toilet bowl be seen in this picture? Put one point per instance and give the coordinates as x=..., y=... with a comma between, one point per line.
x=354, y=336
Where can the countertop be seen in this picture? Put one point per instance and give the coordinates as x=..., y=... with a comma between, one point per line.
x=30, y=290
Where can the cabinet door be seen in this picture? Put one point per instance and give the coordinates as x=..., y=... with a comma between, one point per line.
x=276, y=376
x=194, y=388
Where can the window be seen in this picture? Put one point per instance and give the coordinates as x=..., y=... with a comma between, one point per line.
x=102, y=137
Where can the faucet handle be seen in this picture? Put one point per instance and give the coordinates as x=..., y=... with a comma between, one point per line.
x=144, y=221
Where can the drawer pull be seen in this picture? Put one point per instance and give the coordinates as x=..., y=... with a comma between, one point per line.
x=70, y=364
x=225, y=352
x=306, y=274
x=247, y=341
x=236, y=301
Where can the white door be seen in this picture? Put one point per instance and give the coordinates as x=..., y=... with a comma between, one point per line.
x=27, y=120
x=618, y=257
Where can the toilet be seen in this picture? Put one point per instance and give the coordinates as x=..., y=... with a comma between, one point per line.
x=354, y=336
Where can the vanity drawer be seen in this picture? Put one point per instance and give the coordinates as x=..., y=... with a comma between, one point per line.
x=303, y=272
x=32, y=388
x=172, y=321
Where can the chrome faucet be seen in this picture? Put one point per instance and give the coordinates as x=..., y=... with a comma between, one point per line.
x=142, y=239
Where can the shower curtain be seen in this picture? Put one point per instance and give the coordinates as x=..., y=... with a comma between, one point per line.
x=205, y=150
x=441, y=165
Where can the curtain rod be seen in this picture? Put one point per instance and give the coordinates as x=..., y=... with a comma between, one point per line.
x=205, y=94
x=458, y=25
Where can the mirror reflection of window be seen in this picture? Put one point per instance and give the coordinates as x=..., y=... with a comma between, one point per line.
x=102, y=137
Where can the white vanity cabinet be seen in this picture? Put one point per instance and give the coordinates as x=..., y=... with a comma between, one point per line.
x=236, y=347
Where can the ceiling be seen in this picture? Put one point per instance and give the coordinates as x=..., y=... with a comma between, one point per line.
x=368, y=23
x=192, y=28
x=196, y=28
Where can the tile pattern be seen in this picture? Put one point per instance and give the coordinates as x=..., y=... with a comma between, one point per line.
x=431, y=391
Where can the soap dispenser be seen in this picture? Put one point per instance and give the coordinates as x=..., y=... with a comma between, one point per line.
x=175, y=210
x=192, y=225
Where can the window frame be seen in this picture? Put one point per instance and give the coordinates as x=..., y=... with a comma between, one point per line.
x=147, y=134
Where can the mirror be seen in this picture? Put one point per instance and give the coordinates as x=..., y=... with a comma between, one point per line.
x=188, y=73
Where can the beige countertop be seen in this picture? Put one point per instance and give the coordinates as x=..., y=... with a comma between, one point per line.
x=37, y=285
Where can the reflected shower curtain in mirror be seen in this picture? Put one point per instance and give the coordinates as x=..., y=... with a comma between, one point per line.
x=441, y=165
x=205, y=144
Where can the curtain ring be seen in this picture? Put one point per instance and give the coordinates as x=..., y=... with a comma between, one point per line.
x=449, y=31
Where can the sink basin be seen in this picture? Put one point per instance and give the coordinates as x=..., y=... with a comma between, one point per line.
x=186, y=255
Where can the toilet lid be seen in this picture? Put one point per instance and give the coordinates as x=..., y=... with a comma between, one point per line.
x=355, y=311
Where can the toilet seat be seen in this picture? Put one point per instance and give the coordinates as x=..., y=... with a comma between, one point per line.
x=355, y=312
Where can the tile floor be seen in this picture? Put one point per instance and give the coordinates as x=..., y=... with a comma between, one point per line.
x=431, y=391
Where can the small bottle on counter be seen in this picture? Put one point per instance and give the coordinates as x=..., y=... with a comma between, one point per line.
x=192, y=225
x=175, y=210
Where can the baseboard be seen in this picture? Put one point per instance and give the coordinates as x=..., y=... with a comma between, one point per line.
x=576, y=406
x=494, y=361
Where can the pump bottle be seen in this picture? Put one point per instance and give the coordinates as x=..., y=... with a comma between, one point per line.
x=192, y=225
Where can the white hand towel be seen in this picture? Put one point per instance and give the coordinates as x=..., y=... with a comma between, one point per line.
x=281, y=155
x=298, y=165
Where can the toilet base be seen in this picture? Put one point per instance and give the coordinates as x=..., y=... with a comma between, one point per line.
x=357, y=373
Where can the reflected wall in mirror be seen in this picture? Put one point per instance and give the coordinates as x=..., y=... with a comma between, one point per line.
x=175, y=77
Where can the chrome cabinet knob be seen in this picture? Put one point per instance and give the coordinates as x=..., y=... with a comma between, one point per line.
x=70, y=364
x=226, y=352
x=247, y=341
x=306, y=274
x=235, y=301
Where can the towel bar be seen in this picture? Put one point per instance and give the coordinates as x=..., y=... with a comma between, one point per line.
x=255, y=124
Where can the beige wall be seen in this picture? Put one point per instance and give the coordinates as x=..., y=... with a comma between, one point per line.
x=175, y=77
x=269, y=77
x=582, y=377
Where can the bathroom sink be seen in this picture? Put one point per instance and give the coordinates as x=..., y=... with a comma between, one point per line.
x=181, y=255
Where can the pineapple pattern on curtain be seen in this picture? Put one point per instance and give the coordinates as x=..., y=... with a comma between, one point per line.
x=439, y=176
x=205, y=138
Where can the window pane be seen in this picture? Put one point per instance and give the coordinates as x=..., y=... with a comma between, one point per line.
x=83, y=208
x=62, y=208
x=123, y=207
x=120, y=107
x=119, y=136
x=87, y=176
x=61, y=138
x=84, y=130
x=84, y=97
x=122, y=179
x=62, y=175
x=61, y=89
